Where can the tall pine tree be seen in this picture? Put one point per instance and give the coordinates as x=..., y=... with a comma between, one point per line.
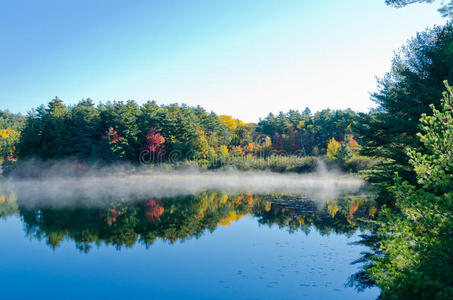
x=414, y=82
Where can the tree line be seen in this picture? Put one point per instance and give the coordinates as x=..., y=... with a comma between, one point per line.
x=124, y=131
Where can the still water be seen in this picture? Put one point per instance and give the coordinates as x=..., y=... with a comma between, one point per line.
x=207, y=246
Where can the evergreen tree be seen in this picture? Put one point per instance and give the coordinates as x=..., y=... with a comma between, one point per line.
x=446, y=8
x=122, y=118
x=30, y=141
x=86, y=132
x=55, y=134
x=415, y=252
x=414, y=82
x=344, y=152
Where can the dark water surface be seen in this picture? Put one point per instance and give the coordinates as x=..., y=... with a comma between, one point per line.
x=207, y=246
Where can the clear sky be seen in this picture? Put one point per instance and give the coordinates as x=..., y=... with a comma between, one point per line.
x=244, y=58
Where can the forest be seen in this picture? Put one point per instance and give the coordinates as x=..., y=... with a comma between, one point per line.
x=403, y=148
x=124, y=131
x=149, y=134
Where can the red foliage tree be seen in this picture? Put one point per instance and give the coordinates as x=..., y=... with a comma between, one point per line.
x=153, y=210
x=112, y=136
x=154, y=140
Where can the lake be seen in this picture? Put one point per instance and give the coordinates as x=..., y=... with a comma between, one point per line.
x=211, y=245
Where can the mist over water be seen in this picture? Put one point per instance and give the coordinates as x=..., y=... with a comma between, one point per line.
x=62, y=184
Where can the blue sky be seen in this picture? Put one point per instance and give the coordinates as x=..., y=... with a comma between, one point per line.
x=244, y=58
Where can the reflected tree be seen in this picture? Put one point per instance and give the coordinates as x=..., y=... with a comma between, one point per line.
x=123, y=224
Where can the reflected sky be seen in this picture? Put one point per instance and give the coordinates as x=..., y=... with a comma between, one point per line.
x=253, y=252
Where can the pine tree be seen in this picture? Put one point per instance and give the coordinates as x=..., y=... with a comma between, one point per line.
x=55, y=134
x=85, y=130
x=417, y=243
x=414, y=82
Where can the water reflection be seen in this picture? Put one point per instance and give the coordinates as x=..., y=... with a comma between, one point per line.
x=125, y=223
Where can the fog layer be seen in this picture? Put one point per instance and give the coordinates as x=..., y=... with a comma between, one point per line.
x=56, y=187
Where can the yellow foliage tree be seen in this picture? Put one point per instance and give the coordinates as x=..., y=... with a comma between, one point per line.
x=232, y=217
x=301, y=125
x=8, y=139
x=223, y=149
x=333, y=208
x=3, y=133
x=230, y=122
x=332, y=148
